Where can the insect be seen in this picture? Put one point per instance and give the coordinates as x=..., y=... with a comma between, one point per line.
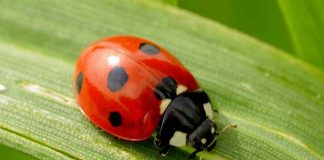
x=130, y=86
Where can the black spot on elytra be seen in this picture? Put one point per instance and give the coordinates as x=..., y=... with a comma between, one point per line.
x=149, y=48
x=79, y=81
x=115, y=119
x=167, y=88
x=117, y=78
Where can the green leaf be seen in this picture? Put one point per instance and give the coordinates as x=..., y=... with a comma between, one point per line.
x=295, y=26
x=172, y=2
x=276, y=101
x=305, y=20
x=8, y=153
x=260, y=19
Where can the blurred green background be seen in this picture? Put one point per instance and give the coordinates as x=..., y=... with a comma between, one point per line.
x=260, y=19
x=296, y=27
x=269, y=21
x=7, y=153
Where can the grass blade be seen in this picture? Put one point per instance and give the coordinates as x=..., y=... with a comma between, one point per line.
x=305, y=20
x=260, y=19
x=276, y=101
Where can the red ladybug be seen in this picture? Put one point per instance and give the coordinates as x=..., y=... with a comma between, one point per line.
x=130, y=86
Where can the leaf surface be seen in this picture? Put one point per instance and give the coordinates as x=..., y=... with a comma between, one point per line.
x=276, y=101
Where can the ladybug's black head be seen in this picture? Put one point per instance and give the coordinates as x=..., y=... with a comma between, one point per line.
x=203, y=137
x=187, y=120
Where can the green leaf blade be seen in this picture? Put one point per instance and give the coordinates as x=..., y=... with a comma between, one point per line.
x=274, y=98
x=260, y=19
x=305, y=20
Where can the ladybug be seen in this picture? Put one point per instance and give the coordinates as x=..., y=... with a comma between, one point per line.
x=130, y=87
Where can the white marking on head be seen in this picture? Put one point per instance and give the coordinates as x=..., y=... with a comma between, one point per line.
x=181, y=89
x=179, y=139
x=212, y=130
x=164, y=105
x=209, y=110
x=203, y=141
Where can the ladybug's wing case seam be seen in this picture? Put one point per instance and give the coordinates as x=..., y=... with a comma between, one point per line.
x=97, y=101
x=136, y=98
x=160, y=65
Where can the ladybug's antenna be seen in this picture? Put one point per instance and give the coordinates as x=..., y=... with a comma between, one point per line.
x=227, y=127
x=221, y=132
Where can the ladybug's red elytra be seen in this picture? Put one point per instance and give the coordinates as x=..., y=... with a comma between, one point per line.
x=130, y=86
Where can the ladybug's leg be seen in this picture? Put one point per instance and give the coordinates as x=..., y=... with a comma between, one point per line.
x=116, y=138
x=164, y=151
x=162, y=140
x=164, y=134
